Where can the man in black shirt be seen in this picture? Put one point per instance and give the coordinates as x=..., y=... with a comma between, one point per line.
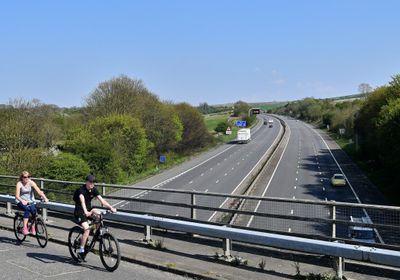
x=83, y=208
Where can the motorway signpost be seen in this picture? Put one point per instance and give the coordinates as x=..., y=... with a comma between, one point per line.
x=241, y=123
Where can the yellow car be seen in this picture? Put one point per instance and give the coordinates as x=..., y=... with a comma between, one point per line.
x=338, y=180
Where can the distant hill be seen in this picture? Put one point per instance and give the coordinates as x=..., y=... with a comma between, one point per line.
x=348, y=97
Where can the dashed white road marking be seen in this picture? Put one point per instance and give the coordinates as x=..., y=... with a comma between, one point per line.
x=294, y=197
x=295, y=187
x=323, y=189
x=211, y=168
x=202, y=174
x=180, y=174
x=289, y=230
x=191, y=182
x=206, y=190
x=225, y=174
x=297, y=178
x=291, y=212
x=217, y=181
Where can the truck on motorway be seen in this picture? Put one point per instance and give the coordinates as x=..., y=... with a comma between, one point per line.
x=243, y=135
x=360, y=233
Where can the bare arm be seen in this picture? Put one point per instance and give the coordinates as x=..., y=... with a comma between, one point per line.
x=39, y=192
x=106, y=204
x=82, y=199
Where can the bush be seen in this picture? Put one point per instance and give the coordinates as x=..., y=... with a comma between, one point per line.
x=66, y=167
x=221, y=127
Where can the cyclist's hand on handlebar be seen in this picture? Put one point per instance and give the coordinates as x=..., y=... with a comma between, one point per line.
x=24, y=202
x=88, y=214
x=113, y=210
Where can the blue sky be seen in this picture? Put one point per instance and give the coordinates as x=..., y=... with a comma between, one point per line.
x=215, y=51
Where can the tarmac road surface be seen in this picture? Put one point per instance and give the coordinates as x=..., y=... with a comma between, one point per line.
x=29, y=261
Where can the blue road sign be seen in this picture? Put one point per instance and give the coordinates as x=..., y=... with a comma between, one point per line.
x=241, y=123
x=163, y=159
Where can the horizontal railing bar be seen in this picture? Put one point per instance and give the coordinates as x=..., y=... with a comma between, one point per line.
x=274, y=199
x=348, y=251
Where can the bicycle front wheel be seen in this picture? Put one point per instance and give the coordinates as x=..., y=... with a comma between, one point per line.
x=41, y=232
x=110, y=254
x=18, y=226
x=74, y=241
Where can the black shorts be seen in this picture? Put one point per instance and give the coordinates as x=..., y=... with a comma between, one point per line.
x=80, y=216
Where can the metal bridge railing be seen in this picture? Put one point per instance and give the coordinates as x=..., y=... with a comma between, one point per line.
x=328, y=248
x=324, y=220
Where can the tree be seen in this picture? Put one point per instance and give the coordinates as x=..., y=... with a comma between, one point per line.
x=195, y=134
x=66, y=167
x=26, y=134
x=114, y=146
x=241, y=109
x=163, y=127
x=123, y=95
x=364, y=88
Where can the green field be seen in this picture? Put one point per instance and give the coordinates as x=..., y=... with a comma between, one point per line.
x=213, y=120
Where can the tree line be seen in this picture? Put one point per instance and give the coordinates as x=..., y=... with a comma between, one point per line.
x=120, y=132
x=373, y=124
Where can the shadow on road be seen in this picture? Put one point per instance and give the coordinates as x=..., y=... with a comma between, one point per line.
x=51, y=258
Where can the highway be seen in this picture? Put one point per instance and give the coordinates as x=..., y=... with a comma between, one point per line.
x=303, y=172
x=220, y=170
x=29, y=261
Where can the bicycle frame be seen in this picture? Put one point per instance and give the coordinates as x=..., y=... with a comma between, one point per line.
x=109, y=251
x=100, y=230
x=33, y=220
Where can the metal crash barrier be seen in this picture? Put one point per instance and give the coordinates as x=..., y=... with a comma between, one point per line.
x=340, y=250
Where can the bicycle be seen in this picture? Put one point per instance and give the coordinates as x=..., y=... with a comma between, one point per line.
x=40, y=227
x=110, y=254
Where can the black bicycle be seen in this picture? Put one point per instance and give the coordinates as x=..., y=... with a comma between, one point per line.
x=110, y=254
x=34, y=220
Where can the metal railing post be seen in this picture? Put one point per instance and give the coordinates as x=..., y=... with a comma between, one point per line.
x=103, y=190
x=339, y=262
x=147, y=233
x=44, y=210
x=193, y=210
x=9, y=209
x=227, y=247
x=333, y=220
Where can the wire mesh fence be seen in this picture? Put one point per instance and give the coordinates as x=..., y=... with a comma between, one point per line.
x=318, y=219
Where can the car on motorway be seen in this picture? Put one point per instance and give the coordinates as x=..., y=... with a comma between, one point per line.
x=360, y=233
x=338, y=180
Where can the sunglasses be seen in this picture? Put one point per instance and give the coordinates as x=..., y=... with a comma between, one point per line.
x=26, y=176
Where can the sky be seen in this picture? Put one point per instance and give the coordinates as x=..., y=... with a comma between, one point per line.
x=214, y=51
